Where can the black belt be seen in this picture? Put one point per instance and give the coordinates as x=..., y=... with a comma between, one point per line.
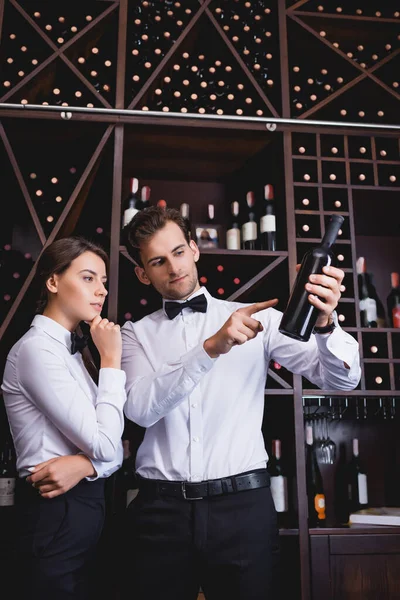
x=190, y=490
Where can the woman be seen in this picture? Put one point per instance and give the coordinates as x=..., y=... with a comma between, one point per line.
x=66, y=429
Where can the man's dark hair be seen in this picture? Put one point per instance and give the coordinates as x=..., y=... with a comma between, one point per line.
x=146, y=223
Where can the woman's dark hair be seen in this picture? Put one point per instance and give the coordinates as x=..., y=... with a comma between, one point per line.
x=146, y=223
x=57, y=258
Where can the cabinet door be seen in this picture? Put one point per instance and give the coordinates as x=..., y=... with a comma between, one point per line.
x=365, y=566
x=355, y=567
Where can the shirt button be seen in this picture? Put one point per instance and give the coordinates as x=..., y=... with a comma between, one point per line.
x=202, y=369
x=195, y=439
x=194, y=404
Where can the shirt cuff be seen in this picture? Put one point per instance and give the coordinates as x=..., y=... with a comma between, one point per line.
x=197, y=362
x=342, y=345
x=104, y=470
x=111, y=382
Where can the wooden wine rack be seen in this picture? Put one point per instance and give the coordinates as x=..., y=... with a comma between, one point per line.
x=74, y=129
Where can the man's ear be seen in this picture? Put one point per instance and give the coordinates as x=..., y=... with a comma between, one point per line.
x=195, y=249
x=141, y=275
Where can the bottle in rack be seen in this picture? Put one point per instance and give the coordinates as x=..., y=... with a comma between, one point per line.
x=268, y=220
x=371, y=307
x=314, y=483
x=393, y=302
x=8, y=475
x=249, y=227
x=210, y=214
x=300, y=316
x=357, y=482
x=185, y=211
x=279, y=486
x=130, y=205
x=144, y=201
x=233, y=232
x=130, y=488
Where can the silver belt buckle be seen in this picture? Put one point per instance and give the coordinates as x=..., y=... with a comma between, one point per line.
x=183, y=486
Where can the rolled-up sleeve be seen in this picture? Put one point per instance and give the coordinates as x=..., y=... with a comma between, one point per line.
x=330, y=361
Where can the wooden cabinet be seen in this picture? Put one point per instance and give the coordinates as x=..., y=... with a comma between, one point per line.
x=351, y=567
x=204, y=101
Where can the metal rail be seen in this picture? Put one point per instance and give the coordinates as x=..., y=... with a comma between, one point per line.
x=66, y=112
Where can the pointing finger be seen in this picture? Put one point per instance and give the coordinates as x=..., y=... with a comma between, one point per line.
x=257, y=306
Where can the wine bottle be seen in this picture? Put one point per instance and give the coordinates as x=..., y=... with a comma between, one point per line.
x=314, y=484
x=357, y=481
x=249, y=227
x=210, y=214
x=144, y=201
x=371, y=307
x=130, y=205
x=8, y=475
x=268, y=220
x=279, y=488
x=129, y=485
x=393, y=302
x=233, y=233
x=300, y=316
x=185, y=210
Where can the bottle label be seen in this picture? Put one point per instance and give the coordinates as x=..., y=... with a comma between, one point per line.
x=7, y=487
x=249, y=231
x=129, y=213
x=319, y=504
x=279, y=493
x=233, y=239
x=362, y=488
x=267, y=223
x=7, y=500
x=396, y=317
x=369, y=306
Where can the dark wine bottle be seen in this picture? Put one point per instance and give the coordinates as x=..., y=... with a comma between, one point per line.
x=130, y=205
x=144, y=201
x=371, y=307
x=233, y=232
x=393, y=302
x=185, y=210
x=314, y=483
x=300, y=316
x=210, y=214
x=268, y=220
x=130, y=487
x=279, y=487
x=357, y=482
x=249, y=227
x=8, y=475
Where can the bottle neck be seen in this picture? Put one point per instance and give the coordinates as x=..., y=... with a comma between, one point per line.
x=332, y=231
x=355, y=447
x=276, y=449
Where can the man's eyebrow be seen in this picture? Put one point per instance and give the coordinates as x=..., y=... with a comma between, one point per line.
x=158, y=257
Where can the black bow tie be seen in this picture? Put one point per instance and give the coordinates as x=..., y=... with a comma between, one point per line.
x=78, y=343
x=198, y=303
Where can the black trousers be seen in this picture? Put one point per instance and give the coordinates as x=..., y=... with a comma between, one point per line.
x=55, y=541
x=228, y=545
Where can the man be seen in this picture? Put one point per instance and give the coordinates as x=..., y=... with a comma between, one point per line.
x=196, y=375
